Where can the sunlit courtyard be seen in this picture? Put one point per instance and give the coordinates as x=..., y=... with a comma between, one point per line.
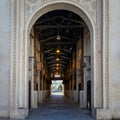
x=57, y=87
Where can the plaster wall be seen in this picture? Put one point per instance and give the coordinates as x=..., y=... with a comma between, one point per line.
x=114, y=37
x=4, y=57
x=33, y=7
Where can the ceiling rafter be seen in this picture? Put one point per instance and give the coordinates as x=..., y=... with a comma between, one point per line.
x=47, y=39
x=48, y=50
x=61, y=43
x=72, y=20
x=69, y=26
x=56, y=26
x=45, y=20
x=54, y=37
x=54, y=62
x=62, y=17
x=54, y=65
x=50, y=57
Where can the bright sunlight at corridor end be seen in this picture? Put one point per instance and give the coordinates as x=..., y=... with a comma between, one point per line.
x=57, y=87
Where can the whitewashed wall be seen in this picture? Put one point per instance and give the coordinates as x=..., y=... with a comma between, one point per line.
x=114, y=36
x=4, y=57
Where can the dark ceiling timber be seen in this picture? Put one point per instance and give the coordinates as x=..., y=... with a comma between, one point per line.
x=60, y=17
x=54, y=62
x=54, y=37
x=58, y=26
x=61, y=30
x=61, y=43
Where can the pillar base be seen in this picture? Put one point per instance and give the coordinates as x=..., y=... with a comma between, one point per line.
x=19, y=113
x=76, y=96
x=81, y=99
x=35, y=105
x=41, y=96
x=103, y=114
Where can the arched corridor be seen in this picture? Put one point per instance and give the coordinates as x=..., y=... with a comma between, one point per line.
x=60, y=49
x=75, y=41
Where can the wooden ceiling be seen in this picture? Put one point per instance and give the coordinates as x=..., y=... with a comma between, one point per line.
x=61, y=30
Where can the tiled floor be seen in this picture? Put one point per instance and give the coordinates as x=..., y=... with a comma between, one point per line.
x=58, y=107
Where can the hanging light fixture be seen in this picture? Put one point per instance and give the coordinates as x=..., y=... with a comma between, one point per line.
x=58, y=48
x=57, y=68
x=57, y=65
x=57, y=51
x=58, y=36
x=57, y=59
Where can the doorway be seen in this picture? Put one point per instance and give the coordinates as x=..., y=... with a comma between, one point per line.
x=57, y=87
x=68, y=69
x=89, y=94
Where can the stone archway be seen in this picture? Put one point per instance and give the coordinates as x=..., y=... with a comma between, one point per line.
x=89, y=21
x=35, y=9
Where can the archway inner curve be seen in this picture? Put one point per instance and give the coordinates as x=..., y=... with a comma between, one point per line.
x=73, y=7
x=87, y=23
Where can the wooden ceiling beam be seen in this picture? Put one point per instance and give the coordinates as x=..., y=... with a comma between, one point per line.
x=47, y=39
x=72, y=20
x=56, y=26
x=46, y=20
x=62, y=58
x=50, y=57
x=49, y=50
x=54, y=65
x=60, y=62
x=61, y=53
x=60, y=43
x=62, y=17
x=54, y=37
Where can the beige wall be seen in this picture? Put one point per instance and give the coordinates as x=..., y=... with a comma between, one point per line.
x=114, y=37
x=4, y=57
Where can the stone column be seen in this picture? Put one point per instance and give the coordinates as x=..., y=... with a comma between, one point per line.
x=77, y=71
x=105, y=55
x=98, y=93
x=19, y=91
x=23, y=62
x=103, y=112
x=41, y=81
x=32, y=73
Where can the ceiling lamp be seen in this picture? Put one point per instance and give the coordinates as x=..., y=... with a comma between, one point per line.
x=57, y=59
x=57, y=68
x=57, y=65
x=57, y=51
x=58, y=36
